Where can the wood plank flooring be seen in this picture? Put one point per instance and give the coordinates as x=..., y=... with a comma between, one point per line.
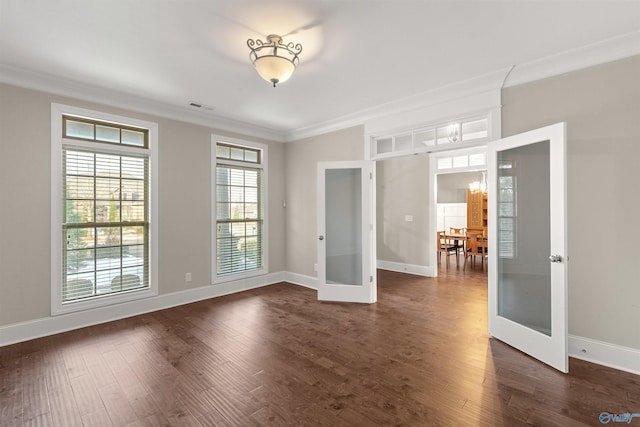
x=421, y=356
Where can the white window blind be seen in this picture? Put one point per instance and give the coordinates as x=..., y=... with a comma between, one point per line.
x=239, y=210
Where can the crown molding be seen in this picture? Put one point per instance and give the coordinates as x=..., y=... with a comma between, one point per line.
x=594, y=54
x=96, y=94
x=492, y=81
x=575, y=59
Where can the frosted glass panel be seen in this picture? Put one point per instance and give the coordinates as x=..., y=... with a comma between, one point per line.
x=384, y=145
x=343, y=221
x=524, y=271
x=478, y=159
x=425, y=137
x=460, y=161
x=403, y=143
x=475, y=130
x=445, y=163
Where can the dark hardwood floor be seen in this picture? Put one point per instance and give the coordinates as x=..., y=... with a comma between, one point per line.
x=275, y=356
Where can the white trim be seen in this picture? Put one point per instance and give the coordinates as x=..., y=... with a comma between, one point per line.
x=605, y=354
x=400, y=267
x=88, y=92
x=590, y=55
x=301, y=280
x=594, y=54
x=18, y=332
x=598, y=352
x=411, y=110
x=57, y=143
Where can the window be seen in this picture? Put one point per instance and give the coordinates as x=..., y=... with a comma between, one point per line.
x=239, y=207
x=102, y=213
x=472, y=130
x=506, y=210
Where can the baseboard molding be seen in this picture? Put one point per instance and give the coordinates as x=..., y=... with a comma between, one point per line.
x=24, y=331
x=598, y=352
x=420, y=270
x=301, y=280
x=606, y=354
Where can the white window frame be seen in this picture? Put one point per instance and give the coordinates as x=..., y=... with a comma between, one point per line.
x=57, y=144
x=264, y=165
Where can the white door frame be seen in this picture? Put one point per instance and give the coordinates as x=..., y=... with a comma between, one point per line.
x=433, y=190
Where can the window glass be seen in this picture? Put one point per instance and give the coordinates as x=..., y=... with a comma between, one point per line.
x=239, y=222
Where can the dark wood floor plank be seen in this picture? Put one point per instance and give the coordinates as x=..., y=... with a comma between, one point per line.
x=64, y=411
x=85, y=391
x=421, y=356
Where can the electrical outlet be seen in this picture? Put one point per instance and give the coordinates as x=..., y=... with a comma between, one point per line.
x=187, y=277
x=315, y=267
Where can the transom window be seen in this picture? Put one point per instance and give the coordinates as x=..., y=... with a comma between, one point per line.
x=102, y=206
x=427, y=139
x=239, y=184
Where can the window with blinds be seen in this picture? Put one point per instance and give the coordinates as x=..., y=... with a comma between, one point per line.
x=105, y=227
x=239, y=208
x=506, y=210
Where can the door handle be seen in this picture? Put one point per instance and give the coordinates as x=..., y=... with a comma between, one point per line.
x=320, y=237
x=555, y=258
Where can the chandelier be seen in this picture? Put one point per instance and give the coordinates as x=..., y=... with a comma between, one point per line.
x=274, y=60
x=479, y=186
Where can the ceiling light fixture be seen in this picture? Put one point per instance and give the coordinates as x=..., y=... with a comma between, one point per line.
x=274, y=60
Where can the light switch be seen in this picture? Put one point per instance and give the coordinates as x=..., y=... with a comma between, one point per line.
x=408, y=218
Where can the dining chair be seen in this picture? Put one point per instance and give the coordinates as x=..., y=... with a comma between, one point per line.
x=446, y=246
x=459, y=242
x=474, y=248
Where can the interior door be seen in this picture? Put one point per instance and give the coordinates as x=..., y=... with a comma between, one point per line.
x=346, y=232
x=528, y=245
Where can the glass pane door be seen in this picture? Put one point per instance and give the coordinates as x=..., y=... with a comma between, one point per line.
x=343, y=219
x=527, y=263
x=346, y=257
x=524, y=271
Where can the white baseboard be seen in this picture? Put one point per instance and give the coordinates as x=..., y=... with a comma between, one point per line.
x=598, y=352
x=420, y=270
x=606, y=354
x=301, y=280
x=24, y=331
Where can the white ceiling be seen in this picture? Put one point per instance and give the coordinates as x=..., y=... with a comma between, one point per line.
x=357, y=54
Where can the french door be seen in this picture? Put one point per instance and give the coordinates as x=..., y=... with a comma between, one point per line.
x=346, y=232
x=527, y=243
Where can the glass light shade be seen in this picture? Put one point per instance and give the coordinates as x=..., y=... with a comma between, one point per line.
x=274, y=69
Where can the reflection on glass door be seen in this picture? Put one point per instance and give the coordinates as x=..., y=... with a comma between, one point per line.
x=524, y=271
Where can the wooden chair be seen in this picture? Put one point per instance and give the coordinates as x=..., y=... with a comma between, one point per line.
x=446, y=246
x=474, y=248
x=459, y=243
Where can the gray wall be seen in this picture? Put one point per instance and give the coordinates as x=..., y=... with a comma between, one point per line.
x=601, y=106
x=403, y=189
x=452, y=187
x=301, y=159
x=184, y=202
